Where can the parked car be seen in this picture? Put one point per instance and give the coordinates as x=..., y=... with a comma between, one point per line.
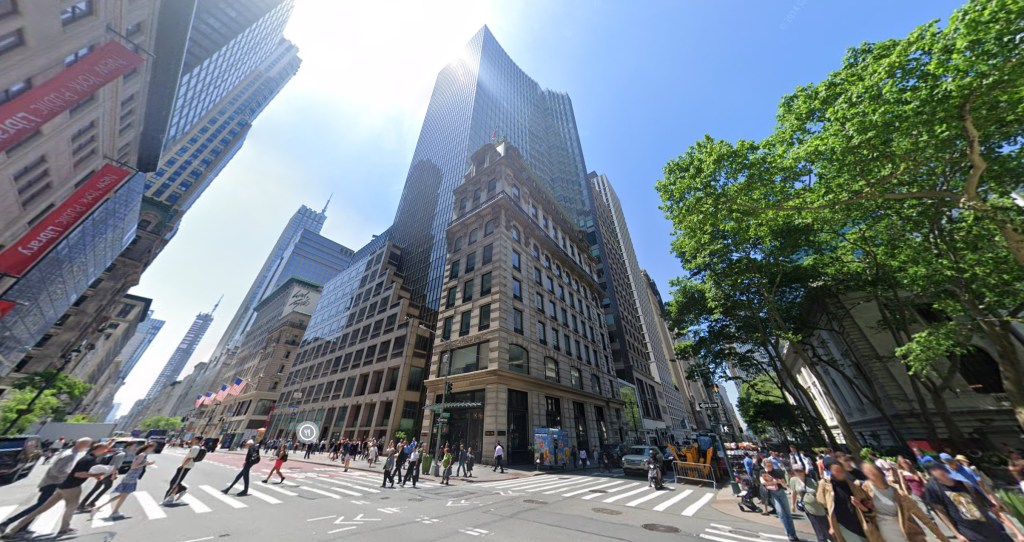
x=635, y=456
x=17, y=456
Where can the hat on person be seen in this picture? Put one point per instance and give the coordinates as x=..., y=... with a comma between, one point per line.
x=962, y=458
x=945, y=457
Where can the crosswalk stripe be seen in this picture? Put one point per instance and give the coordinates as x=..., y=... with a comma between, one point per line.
x=320, y=491
x=264, y=497
x=216, y=494
x=609, y=490
x=195, y=504
x=663, y=506
x=279, y=490
x=561, y=489
x=577, y=492
x=624, y=495
x=346, y=484
x=530, y=483
x=645, y=498
x=46, y=523
x=504, y=483
x=345, y=491
x=733, y=537
x=149, y=505
x=542, y=487
x=6, y=511
x=692, y=509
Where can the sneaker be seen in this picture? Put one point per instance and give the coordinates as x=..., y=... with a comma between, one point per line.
x=67, y=532
x=265, y=481
x=225, y=490
x=242, y=494
x=116, y=516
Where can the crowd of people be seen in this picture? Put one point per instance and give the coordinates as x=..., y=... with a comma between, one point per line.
x=880, y=500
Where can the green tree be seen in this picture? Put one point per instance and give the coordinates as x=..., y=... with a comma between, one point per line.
x=631, y=411
x=58, y=382
x=766, y=411
x=160, y=422
x=22, y=408
x=80, y=418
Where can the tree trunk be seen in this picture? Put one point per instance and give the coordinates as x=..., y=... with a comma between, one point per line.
x=782, y=369
x=929, y=423
x=1010, y=368
x=939, y=400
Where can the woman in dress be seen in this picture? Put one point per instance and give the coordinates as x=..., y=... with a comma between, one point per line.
x=282, y=456
x=895, y=511
x=129, y=483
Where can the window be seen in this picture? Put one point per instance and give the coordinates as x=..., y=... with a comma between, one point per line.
x=515, y=260
x=450, y=302
x=981, y=371
x=518, y=359
x=551, y=370
x=577, y=350
x=487, y=255
x=565, y=317
x=517, y=289
x=465, y=360
x=485, y=284
x=535, y=251
x=485, y=318
x=455, y=270
x=515, y=233
x=551, y=285
x=536, y=275
x=73, y=57
x=489, y=227
x=515, y=192
x=552, y=312
x=464, y=324
x=539, y=302
x=568, y=343
x=554, y=337
x=415, y=382
x=476, y=196
x=75, y=12
x=517, y=321
x=470, y=261
x=575, y=378
x=7, y=7
x=11, y=40
x=595, y=383
x=457, y=246
x=16, y=89
x=533, y=211
x=446, y=328
x=547, y=261
x=492, y=186
x=467, y=291
x=474, y=235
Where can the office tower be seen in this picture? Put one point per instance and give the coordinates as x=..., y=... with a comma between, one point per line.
x=179, y=358
x=55, y=266
x=682, y=410
x=139, y=343
x=521, y=338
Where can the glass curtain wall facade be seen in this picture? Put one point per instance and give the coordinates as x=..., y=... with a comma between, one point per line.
x=181, y=354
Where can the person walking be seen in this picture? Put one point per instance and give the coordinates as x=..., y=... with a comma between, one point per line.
x=252, y=458
x=403, y=456
x=309, y=450
x=129, y=483
x=57, y=473
x=413, y=472
x=177, y=489
x=349, y=449
x=964, y=509
x=470, y=459
x=114, y=460
x=461, y=468
x=54, y=448
x=583, y=458
x=280, y=459
x=850, y=515
x=446, y=467
x=499, y=455
x=773, y=480
x=389, y=467
x=371, y=454
x=69, y=491
x=803, y=494
x=895, y=511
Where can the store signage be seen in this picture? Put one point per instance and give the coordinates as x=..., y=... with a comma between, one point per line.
x=16, y=259
x=24, y=115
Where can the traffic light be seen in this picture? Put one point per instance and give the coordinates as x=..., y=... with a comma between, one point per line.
x=447, y=388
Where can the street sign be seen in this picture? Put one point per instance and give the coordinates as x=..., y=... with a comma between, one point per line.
x=307, y=432
x=446, y=414
x=708, y=405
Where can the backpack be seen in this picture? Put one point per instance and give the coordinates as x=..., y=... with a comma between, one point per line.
x=253, y=457
x=200, y=455
x=284, y=458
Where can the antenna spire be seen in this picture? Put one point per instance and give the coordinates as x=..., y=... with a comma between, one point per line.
x=217, y=304
x=328, y=203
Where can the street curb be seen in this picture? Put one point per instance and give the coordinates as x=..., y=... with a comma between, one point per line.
x=726, y=503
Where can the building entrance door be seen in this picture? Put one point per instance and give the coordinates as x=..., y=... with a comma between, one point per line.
x=518, y=445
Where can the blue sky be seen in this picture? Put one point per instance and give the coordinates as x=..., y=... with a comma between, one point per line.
x=647, y=79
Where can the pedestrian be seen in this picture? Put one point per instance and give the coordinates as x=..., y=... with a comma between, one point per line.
x=372, y=454
x=887, y=467
x=499, y=455
x=280, y=459
x=54, y=448
x=964, y=509
x=773, y=480
x=461, y=469
x=895, y=511
x=850, y=516
x=583, y=458
x=69, y=491
x=252, y=458
x=349, y=451
x=177, y=489
x=114, y=460
x=57, y=473
x=446, y=467
x=575, y=454
x=309, y=450
x=129, y=483
x=403, y=456
x=413, y=472
x=470, y=459
x=389, y=467
x=803, y=494
x=910, y=480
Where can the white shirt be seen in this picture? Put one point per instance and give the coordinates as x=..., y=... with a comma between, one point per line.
x=415, y=455
x=583, y=454
x=190, y=456
x=499, y=451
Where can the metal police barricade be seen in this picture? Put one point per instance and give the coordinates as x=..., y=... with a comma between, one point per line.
x=698, y=472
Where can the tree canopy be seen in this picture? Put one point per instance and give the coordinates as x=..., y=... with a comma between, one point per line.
x=36, y=396
x=160, y=422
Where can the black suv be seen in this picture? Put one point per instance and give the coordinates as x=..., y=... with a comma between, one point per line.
x=17, y=457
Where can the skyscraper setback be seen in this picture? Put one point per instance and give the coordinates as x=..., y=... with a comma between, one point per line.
x=182, y=353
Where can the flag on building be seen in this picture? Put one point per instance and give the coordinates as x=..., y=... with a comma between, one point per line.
x=237, y=387
x=222, y=393
x=208, y=398
x=199, y=400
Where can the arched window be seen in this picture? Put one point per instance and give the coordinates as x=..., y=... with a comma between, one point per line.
x=551, y=370
x=518, y=359
x=473, y=235
x=535, y=251
x=575, y=378
x=595, y=383
x=489, y=227
x=457, y=246
x=981, y=371
x=515, y=233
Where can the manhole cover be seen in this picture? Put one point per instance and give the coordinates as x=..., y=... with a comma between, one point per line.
x=534, y=501
x=608, y=511
x=658, y=528
x=416, y=500
x=599, y=491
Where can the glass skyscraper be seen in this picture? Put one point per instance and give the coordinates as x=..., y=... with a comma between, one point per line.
x=181, y=354
x=137, y=345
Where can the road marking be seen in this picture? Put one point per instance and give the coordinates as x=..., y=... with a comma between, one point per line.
x=546, y=485
x=574, y=493
x=360, y=502
x=346, y=484
x=195, y=504
x=474, y=531
x=319, y=491
x=627, y=494
x=504, y=483
x=345, y=491
x=149, y=506
x=264, y=497
x=216, y=494
x=389, y=510
x=339, y=530
x=519, y=484
x=201, y=539
x=609, y=490
x=561, y=489
x=661, y=507
x=6, y=511
x=320, y=518
x=279, y=490
x=732, y=536
x=428, y=521
x=692, y=509
x=646, y=498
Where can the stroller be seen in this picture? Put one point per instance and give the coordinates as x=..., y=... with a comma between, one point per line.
x=747, y=494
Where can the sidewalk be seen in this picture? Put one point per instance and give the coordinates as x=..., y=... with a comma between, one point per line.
x=727, y=503
x=481, y=473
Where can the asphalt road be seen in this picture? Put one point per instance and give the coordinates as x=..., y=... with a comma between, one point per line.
x=319, y=503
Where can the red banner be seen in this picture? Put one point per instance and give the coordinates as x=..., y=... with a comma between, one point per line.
x=6, y=307
x=22, y=116
x=31, y=247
